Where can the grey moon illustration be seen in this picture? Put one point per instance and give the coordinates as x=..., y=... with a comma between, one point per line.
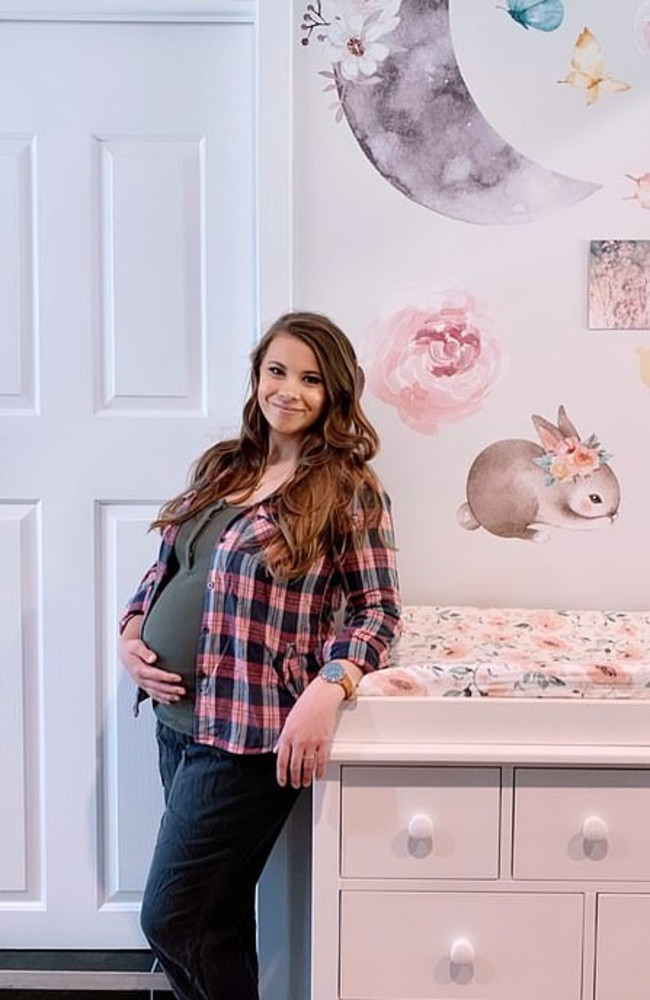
x=419, y=126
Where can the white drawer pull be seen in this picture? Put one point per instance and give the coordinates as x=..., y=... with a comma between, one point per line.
x=461, y=952
x=420, y=827
x=594, y=829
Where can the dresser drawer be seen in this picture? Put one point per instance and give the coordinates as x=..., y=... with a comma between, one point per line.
x=622, y=948
x=466, y=946
x=420, y=822
x=582, y=824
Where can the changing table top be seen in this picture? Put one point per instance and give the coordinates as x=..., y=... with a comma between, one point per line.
x=468, y=652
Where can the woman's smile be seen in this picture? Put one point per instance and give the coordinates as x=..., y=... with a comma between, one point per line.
x=291, y=391
x=287, y=409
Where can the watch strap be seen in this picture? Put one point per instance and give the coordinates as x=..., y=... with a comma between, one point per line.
x=348, y=686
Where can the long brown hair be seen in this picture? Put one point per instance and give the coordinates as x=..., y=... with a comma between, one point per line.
x=313, y=511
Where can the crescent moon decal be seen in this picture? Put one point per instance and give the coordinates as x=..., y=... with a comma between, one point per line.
x=420, y=128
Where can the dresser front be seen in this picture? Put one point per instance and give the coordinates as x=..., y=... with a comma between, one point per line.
x=499, y=881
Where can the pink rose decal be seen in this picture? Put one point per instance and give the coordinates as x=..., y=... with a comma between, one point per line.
x=435, y=363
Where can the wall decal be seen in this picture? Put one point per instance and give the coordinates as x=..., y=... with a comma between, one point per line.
x=515, y=486
x=642, y=192
x=588, y=69
x=412, y=114
x=644, y=364
x=619, y=285
x=545, y=15
x=354, y=36
x=435, y=361
x=642, y=26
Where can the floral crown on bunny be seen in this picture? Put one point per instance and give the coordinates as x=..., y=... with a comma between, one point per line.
x=570, y=458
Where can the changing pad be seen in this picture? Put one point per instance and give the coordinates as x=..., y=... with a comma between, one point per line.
x=456, y=652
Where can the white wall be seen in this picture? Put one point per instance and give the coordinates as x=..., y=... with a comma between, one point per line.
x=360, y=244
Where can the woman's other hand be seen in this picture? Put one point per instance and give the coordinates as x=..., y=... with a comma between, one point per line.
x=138, y=660
x=304, y=745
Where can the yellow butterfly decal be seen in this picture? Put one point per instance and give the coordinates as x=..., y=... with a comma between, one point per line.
x=644, y=363
x=588, y=69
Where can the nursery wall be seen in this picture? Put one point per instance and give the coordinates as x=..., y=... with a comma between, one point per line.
x=460, y=267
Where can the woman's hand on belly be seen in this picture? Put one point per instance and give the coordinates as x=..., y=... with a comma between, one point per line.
x=138, y=659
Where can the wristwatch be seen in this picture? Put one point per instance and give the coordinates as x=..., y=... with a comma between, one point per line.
x=334, y=672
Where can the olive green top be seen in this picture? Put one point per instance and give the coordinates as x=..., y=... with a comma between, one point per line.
x=171, y=627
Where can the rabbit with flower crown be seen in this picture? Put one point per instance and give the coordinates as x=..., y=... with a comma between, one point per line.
x=514, y=486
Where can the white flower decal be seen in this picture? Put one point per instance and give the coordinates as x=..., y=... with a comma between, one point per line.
x=353, y=38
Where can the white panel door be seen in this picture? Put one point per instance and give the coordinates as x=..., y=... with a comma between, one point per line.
x=127, y=310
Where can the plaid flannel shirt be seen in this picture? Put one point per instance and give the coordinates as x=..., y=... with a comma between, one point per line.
x=263, y=640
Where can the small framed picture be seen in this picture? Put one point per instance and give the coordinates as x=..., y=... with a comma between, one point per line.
x=619, y=285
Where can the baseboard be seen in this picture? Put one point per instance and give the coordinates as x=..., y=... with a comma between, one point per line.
x=84, y=992
x=77, y=973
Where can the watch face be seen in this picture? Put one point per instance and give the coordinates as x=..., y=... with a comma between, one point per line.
x=333, y=672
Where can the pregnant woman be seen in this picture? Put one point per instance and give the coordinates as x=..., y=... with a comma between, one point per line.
x=234, y=634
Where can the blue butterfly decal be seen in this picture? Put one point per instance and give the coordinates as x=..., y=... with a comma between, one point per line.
x=545, y=15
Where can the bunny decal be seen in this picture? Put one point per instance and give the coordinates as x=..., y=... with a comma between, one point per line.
x=514, y=486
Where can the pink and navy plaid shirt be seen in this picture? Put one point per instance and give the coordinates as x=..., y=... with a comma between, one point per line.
x=263, y=640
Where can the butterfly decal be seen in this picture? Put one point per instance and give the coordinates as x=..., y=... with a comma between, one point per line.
x=642, y=193
x=588, y=69
x=644, y=364
x=545, y=15
x=642, y=27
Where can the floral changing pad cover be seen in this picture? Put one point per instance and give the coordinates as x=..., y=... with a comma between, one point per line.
x=456, y=652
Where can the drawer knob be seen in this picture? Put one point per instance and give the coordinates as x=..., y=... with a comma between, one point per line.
x=420, y=827
x=462, y=952
x=594, y=829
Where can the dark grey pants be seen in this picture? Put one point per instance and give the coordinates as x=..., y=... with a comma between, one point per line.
x=224, y=813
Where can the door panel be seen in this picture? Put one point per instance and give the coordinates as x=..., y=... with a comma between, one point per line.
x=17, y=266
x=21, y=771
x=151, y=265
x=127, y=312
